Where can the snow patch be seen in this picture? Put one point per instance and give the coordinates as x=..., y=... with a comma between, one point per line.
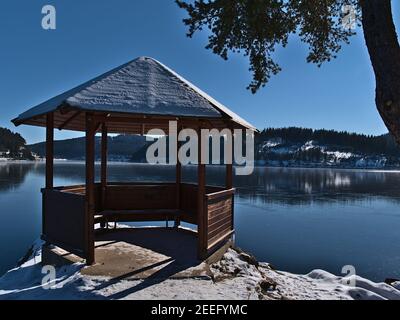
x=238, y=276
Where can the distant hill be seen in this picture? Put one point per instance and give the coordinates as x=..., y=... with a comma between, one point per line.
x=13, y=146
x=120, y=148
x=306, y=147
x=274, y=147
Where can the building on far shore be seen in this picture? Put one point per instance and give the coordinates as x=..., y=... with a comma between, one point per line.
x=4, y=153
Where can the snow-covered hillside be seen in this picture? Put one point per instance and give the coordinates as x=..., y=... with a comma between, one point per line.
x=237, y=276
x=278, y=152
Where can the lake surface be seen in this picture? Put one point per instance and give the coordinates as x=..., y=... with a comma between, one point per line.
x=296, y=219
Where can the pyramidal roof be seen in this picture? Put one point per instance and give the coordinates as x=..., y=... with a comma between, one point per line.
x=143, y=86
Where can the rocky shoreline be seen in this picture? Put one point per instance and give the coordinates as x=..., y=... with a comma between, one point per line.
x=237, y=276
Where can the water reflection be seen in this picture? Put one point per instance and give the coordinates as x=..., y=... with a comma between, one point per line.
x=265, y=185
x=306, y=186
x=13, y=175
x=297, y=219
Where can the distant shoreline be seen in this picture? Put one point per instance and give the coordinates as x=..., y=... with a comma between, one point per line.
x=320, y=167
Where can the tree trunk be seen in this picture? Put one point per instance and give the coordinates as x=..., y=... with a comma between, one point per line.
x=384, y=50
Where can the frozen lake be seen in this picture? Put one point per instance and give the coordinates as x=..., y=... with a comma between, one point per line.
x=296, y=219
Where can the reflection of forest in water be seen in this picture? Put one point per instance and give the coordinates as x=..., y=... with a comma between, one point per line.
x=13, y=175
x=305, y=186
x=265, y=185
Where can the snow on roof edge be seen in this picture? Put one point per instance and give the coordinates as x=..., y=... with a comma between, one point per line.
x=56, y=102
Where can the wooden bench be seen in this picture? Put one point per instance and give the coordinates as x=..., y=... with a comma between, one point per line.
x=137, y=203
x=115, y=216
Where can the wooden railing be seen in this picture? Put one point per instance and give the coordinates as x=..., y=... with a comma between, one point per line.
x=220, y=224
x=64, y=219
x=140, y=196
x=65, y=215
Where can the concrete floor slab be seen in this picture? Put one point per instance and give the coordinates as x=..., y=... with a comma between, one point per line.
x=147, y=253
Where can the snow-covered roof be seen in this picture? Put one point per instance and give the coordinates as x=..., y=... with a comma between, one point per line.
x=143, y=86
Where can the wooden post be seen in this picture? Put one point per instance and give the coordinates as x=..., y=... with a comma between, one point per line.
x=178, y=173
x=229, y=169
x=49, y=165
x=104, y=149
x=229, y=176
x=178, y=183
x=201, y=210
x=90, y=184
x=229, y=182
x=49, y=150
x=178, y=180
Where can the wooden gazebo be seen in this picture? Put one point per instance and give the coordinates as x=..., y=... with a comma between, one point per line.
x=132, y=99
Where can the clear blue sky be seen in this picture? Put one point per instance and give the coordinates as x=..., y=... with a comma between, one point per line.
x=94, y=36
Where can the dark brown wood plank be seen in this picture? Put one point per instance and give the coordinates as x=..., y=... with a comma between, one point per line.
x=229, y=176
x=65, y=219
x=189, y=216
x=202, y=216
x=226, y=226
x=229, y=168
x=69, y=120
x=227, y=211
x=220, y=194
x=219, y=207
x=49, y=150
x=218, y=235
x=222, y=216
x=104, y=153
x=188, y=202
x=79, y=123
x=90, y=188
x=221, y=239
x=77, y=190
x=137, y=197
x=225, y=216
x=178, y=173
x=217, y=223
x=213, y=189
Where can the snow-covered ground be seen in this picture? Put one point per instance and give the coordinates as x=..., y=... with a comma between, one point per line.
x=237, y=276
